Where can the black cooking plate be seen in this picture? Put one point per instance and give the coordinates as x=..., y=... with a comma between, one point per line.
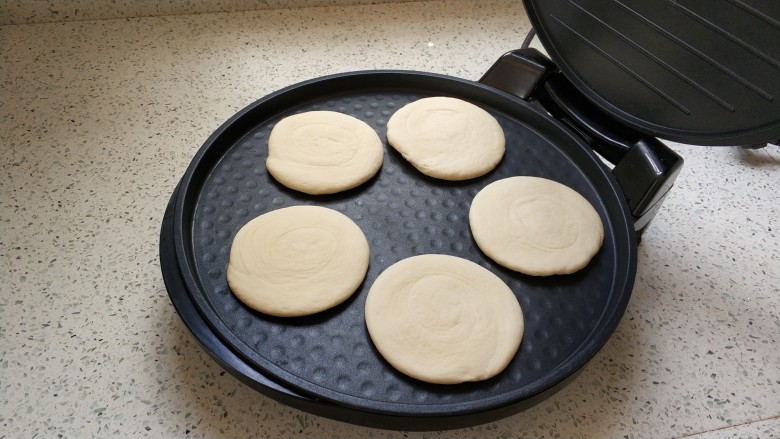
x=327, y=362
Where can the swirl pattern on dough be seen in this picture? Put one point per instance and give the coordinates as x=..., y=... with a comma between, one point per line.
x=297, y=261
x=535, y=226
x=444, y=319
x=447, y=138
x=323, y=152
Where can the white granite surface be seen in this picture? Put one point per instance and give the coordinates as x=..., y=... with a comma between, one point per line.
x=53, y=11
x=98, y=121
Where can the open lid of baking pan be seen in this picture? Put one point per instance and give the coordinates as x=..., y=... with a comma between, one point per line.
x=694, y=71
x=329, y=357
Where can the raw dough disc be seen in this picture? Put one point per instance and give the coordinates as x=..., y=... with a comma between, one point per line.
x=443, y=319
x=323, y=152
x=447, y=138
x=535, y=226
x=297, y=261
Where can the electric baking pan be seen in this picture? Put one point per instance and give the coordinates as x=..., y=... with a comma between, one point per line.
x=553, y=118
x=329, y=357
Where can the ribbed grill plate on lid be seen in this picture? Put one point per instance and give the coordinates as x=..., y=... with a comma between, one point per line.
x=694, y=71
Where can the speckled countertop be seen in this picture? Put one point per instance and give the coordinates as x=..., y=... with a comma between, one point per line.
x=99, y=120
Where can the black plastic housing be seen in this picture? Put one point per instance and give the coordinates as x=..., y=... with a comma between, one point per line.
x=644, y=167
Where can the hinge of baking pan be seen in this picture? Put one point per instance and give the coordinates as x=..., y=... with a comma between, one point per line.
x=644, y=167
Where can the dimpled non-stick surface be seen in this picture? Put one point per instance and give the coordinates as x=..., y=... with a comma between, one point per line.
x=402, y=213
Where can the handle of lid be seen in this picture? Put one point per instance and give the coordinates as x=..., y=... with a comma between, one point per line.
x=644, y=167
